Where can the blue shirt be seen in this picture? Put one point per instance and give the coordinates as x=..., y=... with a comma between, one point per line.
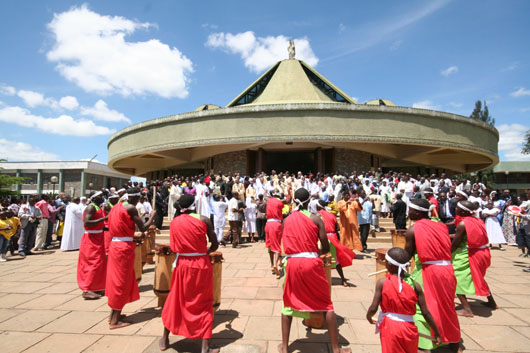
x=365, y=216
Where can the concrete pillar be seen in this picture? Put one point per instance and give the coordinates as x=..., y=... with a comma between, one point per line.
x=61, y=180
x=18, y=187
x=261, y=160
x=104, y=181
x=39, y=181
x=83, y=183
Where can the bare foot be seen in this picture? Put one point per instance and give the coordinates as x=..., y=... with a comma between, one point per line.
x=281, y=349
x=90, y=295
x=344, y=350
x=119, y=324
x=214, y=350
x=345, y=283
x=276, y=271
x=163, y=344
x=121, y=318
x=465, y=313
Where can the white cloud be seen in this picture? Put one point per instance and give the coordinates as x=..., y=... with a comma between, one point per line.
x=260, y=53
x=90, y=50
x=33, y=99
x=7, y=90
x=426, y=104
x=511, y=67
x=100, y=111
x=520, y=92
x=209, y=26
x=511, y=137
x=449, y=71
x=396, y=45
x=69, y=102
x=525, y=110
x=20, y=151
x=455, y=105
x=342, y=27
x=62, y=125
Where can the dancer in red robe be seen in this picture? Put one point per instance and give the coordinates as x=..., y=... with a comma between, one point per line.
x=342, y=255
x=121, y=280
x=188, y=310
x=431, y=243
x=113, y=199
x=91, y=264
x=306, y=287
x=273, y=230
x=398, y=298
x=471, y=258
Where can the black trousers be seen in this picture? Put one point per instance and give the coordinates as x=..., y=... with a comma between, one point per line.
x=364, y=229
x=260, y=225
x=401, y=225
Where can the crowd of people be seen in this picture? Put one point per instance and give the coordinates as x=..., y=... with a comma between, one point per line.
x=302, y=218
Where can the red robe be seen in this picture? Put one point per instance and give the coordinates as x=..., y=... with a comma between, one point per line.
x=306, y=286
x=92, y=262
x=479, y=259
x=439, y=282
x=188, y=310
x=273, y=228
x=107, y=235
x=345, y=255
x=121, y=279
x=396, y=336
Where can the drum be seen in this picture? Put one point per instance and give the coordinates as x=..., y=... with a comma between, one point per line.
x=398, y=238
x=138, y=262
x=144, y=251
x=380, y=263
x=316, y=320
x=217, y=263
x=163, y=269
x=150, y=239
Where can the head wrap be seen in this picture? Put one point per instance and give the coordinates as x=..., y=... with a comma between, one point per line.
x=462, y=193
x=418, y=208
x=459, y=205
x=99, y=193
x=400, y=266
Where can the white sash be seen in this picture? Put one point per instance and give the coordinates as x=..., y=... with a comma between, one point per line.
x=122, y=239
x=186, y=255
x=392, y=316
x=437, y=262
x=94, y=231
x=274, y=220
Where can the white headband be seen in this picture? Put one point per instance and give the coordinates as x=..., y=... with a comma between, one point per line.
x=462, y=193
x=418, y=208
x=135, y=194
x=121, y=190
x=459, y=205
x=189, y=208
x=96, y=195
x=300, y=203
x=401, y=267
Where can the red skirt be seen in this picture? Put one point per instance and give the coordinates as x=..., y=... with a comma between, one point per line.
x=92, y=263
x=479, y=261
x=345, y=255
x=439, y=286
x=273, y=236
x=188, y=310
x=108, y=239
x=306, y=286
x=398, y=337
x=121, y=280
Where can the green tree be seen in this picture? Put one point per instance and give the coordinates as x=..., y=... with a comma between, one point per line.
x=6, y=181
x=526, y=143
x=482, y=114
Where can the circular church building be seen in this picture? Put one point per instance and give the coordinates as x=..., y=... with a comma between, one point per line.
x=293, y=119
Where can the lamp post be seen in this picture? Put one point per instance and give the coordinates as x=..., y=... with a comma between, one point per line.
x=54, y=181
x=507, y=173
x=90, y=186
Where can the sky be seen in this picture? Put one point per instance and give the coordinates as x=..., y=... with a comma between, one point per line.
x=72, y=73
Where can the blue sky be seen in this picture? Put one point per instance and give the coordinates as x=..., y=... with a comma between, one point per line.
x=71, y=73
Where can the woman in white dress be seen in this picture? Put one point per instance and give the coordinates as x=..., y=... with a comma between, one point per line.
x=250, y=218
x=73, y=226
x=493, y=227
x=385, y=195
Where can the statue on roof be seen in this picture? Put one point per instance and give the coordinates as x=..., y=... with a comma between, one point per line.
x=291, y=49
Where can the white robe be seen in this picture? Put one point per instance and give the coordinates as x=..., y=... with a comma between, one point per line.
x=174, y=196
x=202, y=202
x=250, y=217
x=73, y=227
x=493, y=227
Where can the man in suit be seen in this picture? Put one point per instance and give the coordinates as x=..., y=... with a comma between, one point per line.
x=399, y=210
x=29, y=215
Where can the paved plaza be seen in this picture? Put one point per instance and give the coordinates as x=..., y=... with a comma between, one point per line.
x=41, y=309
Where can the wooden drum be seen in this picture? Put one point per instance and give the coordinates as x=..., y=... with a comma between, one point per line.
x=151, y=237
x=380, y=263
x=398, y=238
x=316, y=320
x=217, y=263
x=138, y=262
x=163, y=270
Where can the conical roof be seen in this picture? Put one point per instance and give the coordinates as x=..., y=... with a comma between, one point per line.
x=291, y=81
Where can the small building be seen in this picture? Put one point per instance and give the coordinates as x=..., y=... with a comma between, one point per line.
x=514, y=176
x=75, y=178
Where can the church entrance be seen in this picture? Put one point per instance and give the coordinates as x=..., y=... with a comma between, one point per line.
x=291, y=161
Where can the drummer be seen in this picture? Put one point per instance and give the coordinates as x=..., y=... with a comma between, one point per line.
x=188, y=310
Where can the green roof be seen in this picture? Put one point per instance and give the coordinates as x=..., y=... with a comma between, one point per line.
x=518, y=166
x=291, y=81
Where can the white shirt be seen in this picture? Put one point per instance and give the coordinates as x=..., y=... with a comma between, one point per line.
x=232, y=204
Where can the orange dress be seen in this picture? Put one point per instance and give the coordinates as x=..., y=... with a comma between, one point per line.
x=349, y=228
